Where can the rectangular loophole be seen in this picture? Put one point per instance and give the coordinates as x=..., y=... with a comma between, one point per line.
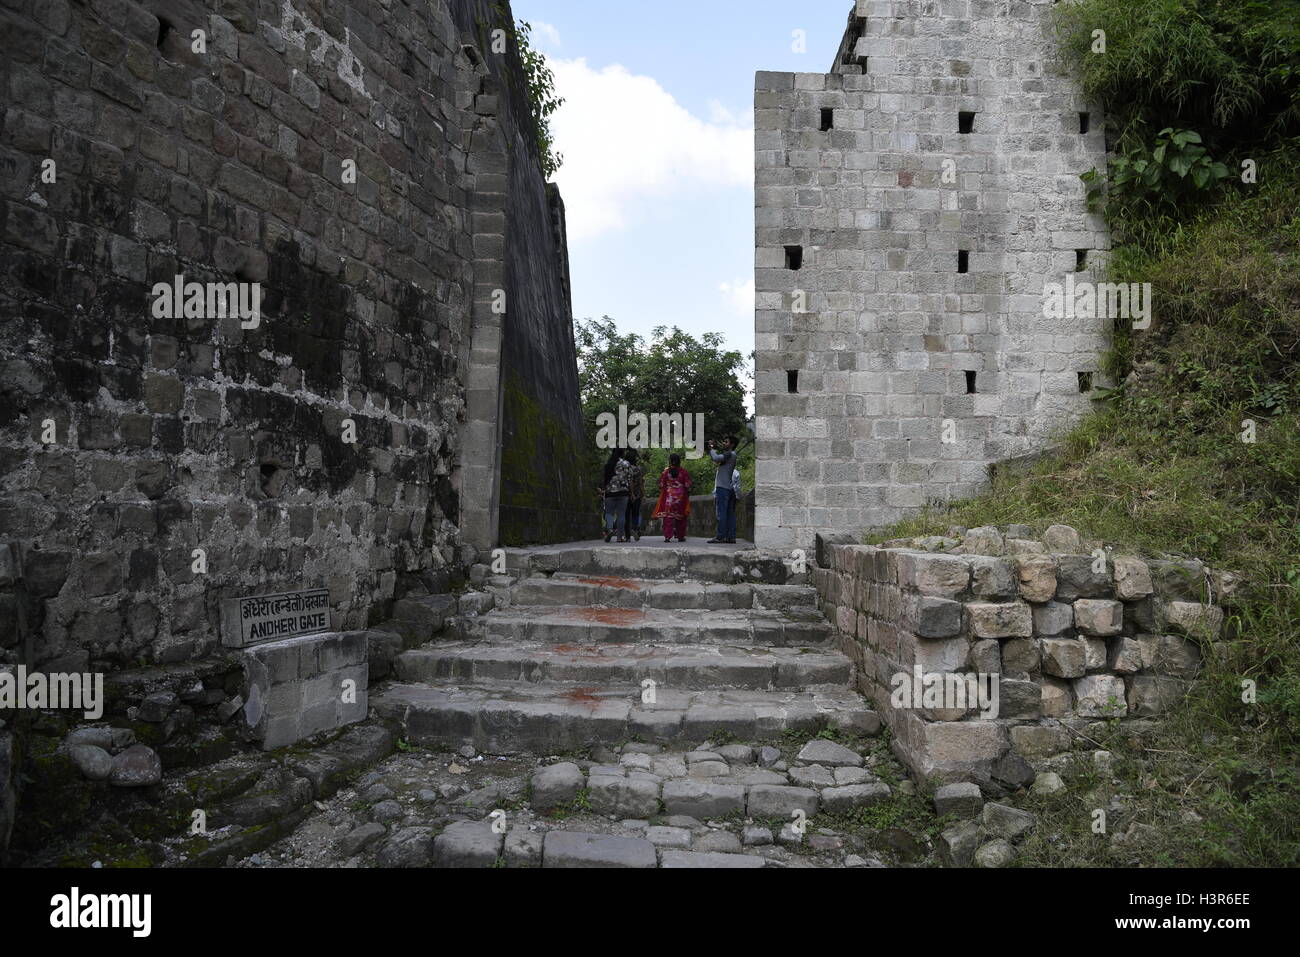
x=1085, y=381
x=1080, y=260
x=793, y=257
x=792, y=381
x=963, y=261
x=1085, y=122
x=965, y=122
x=828, y=120
x=970, y=382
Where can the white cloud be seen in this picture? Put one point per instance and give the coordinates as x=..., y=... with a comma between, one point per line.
x=625, y=140
x=546, y=34
x=740, y=296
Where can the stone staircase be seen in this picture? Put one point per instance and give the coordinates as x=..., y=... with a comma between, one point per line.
x=598, y=644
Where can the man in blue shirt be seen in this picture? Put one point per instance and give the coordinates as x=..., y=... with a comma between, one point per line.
x=723, y=492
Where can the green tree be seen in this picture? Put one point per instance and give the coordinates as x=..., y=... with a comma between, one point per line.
x=671, y=372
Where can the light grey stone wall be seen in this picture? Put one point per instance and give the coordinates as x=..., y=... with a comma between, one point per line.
x=891, y=327
x=298, y=687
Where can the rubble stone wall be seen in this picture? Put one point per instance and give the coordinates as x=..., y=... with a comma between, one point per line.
x=1074, y=634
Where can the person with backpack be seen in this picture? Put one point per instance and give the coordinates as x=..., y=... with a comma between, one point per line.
x=616, y=484
x=674, y=505
x=636, y=495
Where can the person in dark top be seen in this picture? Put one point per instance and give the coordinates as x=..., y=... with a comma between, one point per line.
x=617, y=486
x=635, y=495
x=723, y=492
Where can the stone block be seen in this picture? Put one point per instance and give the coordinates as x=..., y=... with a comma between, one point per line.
x=940, y=576
x=1053, y=619
x=702, y=799
x=573, y=849
x=1020, y=656
x=1100, y=696
x=961, y=799
x=993, y=578
x=629, y=797
x=1152, y=695
x=471, y=844
x=1000, y=619
x=1063, y=657
x=1056, y=696
x=1098, y=617
x=1194, y=619
x=778, y=802
x=931, y=617
x=1032, y=741
x=1132, y=578
x=1062, y=538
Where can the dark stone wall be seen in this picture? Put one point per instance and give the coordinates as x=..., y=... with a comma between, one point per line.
x=173, y=435
x=546, y=495
x=191, y=438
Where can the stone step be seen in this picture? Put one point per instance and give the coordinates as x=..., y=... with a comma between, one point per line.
x=566, y=588
x=544, y=718
x=680, y=666
x=584, y=625
x=727, y=564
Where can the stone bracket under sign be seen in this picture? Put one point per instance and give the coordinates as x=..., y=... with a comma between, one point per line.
x=251, y=621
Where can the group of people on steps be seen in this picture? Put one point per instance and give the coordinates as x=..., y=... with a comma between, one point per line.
x=623, y=491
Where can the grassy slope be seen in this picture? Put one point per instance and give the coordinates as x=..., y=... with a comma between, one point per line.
x=1162, y=467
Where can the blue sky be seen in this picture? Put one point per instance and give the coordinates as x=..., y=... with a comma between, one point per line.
x=657, y=134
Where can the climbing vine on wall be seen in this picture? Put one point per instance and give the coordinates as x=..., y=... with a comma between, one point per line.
x=541, y=97
x=540, y=84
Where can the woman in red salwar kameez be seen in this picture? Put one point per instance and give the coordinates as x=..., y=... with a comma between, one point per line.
x=674, y=499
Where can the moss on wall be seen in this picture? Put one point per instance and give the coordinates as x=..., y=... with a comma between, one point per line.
x=546, y=495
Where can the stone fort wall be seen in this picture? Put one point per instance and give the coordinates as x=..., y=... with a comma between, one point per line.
x=128, y=442
x=910, y=207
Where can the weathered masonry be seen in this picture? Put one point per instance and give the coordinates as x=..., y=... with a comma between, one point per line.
x=404, y=398
x=911, y=205
x=371, y=166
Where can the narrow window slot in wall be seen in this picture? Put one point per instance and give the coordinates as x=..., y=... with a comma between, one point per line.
x=970, y=382
x=793, y=257
x=164, y=28
x=792, y=381
x=828, y=120
x=1080, y=260
x=1085, y=381
x=1085, y=122
x=963, y=261
x=965, y=122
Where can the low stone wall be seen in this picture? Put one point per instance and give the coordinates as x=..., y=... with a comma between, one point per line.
x=303, y=686
x=1071, y=632
x=703, y=520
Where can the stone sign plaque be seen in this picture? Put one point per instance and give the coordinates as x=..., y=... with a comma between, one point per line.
x=251, y=621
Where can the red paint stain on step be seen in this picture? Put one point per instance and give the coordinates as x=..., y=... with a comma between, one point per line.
x=582, y=696
x=609, y=616
x=625, y=583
